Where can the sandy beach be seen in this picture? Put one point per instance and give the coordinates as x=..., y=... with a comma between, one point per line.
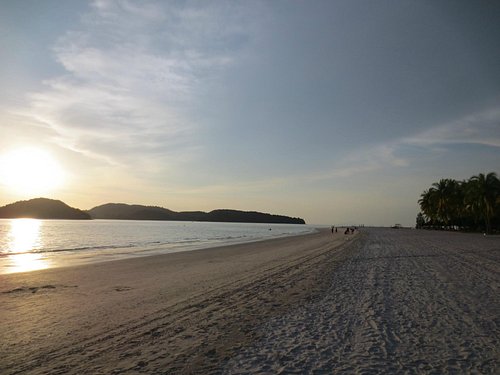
x=381, y=301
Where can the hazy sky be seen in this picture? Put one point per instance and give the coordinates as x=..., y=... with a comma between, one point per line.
x=334, y=111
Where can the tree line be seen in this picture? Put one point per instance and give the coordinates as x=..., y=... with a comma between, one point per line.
x=469, y=205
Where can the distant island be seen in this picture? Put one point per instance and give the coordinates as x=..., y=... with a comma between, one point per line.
x=137, y=212
x=43, y=208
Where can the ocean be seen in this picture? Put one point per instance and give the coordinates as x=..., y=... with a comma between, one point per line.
x=31, y=244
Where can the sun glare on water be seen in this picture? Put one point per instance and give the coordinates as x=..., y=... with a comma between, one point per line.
x=30, y=171
x=24, y=240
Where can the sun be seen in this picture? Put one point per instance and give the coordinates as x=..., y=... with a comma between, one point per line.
x=30, y=171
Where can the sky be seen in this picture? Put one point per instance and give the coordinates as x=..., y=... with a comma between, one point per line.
x=339, y=112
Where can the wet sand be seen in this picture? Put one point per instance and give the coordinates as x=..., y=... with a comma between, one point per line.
x=382, y=301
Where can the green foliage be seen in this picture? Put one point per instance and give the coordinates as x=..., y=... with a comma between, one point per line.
x=137, y=212
x=420, y=221
x=472, y=204
x=42, y=208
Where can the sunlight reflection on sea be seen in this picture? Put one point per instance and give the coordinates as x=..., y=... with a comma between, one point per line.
x=30, y=244
x=22, y=242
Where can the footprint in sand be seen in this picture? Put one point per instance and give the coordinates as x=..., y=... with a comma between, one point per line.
x=122, y=288
x=34, y=289
x=373, y=324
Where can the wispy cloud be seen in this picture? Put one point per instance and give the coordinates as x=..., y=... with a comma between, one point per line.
x=481, y=128
x=368, y=159
x=132, y=72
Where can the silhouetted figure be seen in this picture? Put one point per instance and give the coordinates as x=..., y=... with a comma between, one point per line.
x=335, y=230
x=346, y=231
x=333, y=227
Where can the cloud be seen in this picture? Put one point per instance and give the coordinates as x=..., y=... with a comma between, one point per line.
x=481, y=128
x=361, y=161
x=133, y=74
x=19, y=130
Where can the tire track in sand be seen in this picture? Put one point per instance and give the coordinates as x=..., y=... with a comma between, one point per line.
x=412, y=302
x=168, y=341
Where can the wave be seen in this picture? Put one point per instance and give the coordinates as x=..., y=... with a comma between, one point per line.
x=118, y=238
x=144, y=246
x=69, y=249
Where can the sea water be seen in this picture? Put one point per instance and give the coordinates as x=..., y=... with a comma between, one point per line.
x=31, y=244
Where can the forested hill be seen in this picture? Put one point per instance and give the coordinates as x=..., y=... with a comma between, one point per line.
x=137, y=212
x=42, y=208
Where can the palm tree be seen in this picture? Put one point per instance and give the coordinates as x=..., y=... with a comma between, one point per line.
x=456, y=203
x=420, y=221
x=472, y=202
x=466, y=204
x=444, y=193
x=428, y=206
x=482, y=194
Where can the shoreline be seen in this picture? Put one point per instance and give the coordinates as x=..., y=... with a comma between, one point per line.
x=89, y=252
x=86, y=317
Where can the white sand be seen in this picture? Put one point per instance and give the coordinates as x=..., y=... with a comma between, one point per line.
x=384, y=301
x=403, y=302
